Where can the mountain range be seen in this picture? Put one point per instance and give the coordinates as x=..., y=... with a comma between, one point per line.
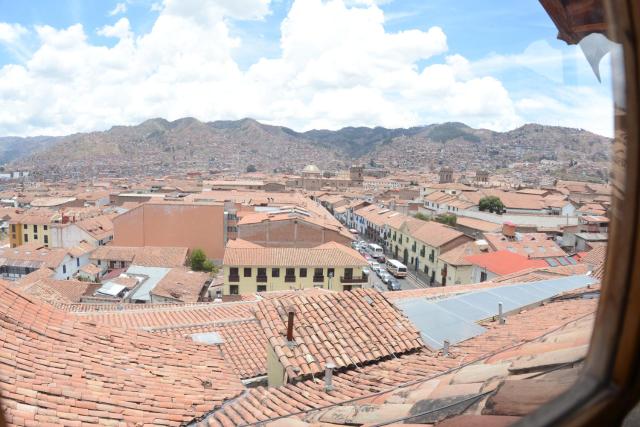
x=159, y=147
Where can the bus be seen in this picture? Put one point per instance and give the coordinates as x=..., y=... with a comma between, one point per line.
x=396, y=268
x=376, y=251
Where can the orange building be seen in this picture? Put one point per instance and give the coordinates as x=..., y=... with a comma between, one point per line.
x=175, y=224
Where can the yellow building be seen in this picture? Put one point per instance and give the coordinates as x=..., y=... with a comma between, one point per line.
x=31, y=226
x=250, y=268
x=419, y=244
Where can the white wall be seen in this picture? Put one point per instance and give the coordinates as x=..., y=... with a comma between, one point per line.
x=522, y=219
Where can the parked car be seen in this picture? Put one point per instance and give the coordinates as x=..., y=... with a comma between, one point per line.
x=373, y=264
x=381, y=270
x=381, y=258
x=385, y=277
x=393, y=285
x=376, y=268
x=366, y=271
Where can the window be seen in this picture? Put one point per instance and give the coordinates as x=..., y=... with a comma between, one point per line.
x=234, y=290
x=64, y=268
x=46, y=239
x=261, y=288
x=303, y=272
x=35, y=228
x=275, y=272
x=13, y=228
x=35, y=237
x=26, y=238
x=318, y=275
x=290, y=275
x=330, y=272
x=262, y=274
x=483, y=276
x=77, y=262
x=348, y=273
x=46, y=227
x=234, y=274
x=247, y=272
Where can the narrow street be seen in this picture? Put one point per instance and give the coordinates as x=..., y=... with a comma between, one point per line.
x=409, y=282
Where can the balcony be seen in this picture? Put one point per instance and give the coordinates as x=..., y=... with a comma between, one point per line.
x=289, y=279
x=261, y=279
x=317, y=279
x=363, y=279
x=234, y=279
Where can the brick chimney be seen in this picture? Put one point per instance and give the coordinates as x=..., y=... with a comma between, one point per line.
x=509, y=230
x=290, y=320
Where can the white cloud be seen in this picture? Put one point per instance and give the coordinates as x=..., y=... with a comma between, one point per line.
x=120, y=29
x=118, y=9
x=338, y=66
x=11, y=33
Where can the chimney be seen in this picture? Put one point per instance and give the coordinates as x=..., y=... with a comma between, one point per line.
x=291, y=314
x=445, y=348
x=509, y=230
x=328, y=376
x=501, y=319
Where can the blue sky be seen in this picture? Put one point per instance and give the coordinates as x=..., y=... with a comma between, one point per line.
x=300, y=63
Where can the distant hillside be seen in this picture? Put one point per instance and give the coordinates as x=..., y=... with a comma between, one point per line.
x=13, y=147
x=158, y=146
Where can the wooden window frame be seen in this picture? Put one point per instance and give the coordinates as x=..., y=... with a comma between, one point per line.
x=609, y=386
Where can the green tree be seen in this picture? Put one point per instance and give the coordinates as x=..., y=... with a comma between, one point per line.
x=198, y=260
x=209, y=267
x=448, y=219
x=492, y=204
x=421, y=216
x=251, y=168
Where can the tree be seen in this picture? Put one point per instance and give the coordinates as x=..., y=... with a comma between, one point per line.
x=492, y=204
x=448, y=219
x=198, y=260
x=209, y=267
x=421, y=216
x=251, y=168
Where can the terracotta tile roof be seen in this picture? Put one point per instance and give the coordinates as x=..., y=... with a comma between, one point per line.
x=41, y=273
x=99, y=227
x=147, y=256
x=433, y=233
x=33, y=255
x=497, y=391
x=58, y=291
x=244, y=343
x=458, y=255
x=327, y=254
x=182, y=284
x=504, y=262
x=596, y=255
x=478, y=224
x=533, y=245
x=81, y=249
x=90, y=269
x=59, y=369
x=345, y=328
x=33, y=216
x=371, y=381
x=544, y=273
x=163, y=315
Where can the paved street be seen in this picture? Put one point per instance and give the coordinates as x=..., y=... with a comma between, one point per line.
x=409, y=282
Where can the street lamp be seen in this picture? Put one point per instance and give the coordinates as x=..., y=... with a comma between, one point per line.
x=330, y=279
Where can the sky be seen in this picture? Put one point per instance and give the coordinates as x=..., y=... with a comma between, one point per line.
x=71, y=66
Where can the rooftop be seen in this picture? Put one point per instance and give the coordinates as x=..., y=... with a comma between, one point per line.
x=327, y=254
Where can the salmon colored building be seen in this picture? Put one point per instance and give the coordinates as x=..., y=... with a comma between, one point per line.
x=177, y=224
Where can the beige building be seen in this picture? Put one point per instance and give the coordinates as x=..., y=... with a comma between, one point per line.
x=250, y=268
x=418, y=244
x=291, y=228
